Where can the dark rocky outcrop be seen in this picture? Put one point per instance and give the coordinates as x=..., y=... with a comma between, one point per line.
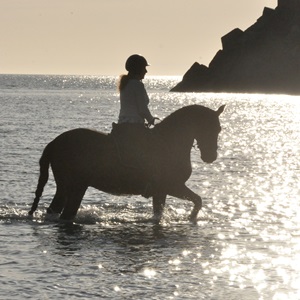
x=265, y=58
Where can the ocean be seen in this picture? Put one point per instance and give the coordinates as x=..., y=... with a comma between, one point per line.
x=245, y=245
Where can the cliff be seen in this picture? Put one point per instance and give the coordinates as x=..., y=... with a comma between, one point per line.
x=265, y=58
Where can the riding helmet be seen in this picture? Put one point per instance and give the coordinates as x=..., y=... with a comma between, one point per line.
x=135, y=63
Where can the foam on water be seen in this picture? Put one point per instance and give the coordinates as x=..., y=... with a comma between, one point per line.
x=95, y=214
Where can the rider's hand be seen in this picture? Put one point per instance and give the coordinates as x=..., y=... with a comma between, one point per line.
x=152, y=122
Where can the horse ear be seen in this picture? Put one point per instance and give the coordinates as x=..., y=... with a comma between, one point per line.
x=221, y=109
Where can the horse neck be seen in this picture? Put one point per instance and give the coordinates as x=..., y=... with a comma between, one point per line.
x=177, y=132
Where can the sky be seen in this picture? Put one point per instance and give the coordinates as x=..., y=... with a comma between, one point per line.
x=95, y=37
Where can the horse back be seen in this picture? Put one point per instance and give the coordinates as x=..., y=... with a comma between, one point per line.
x=80, y=150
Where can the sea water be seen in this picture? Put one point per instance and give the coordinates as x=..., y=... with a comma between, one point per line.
x=245, y=245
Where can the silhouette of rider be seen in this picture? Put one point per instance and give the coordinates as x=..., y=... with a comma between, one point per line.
x=132, y=136
x=134, y=99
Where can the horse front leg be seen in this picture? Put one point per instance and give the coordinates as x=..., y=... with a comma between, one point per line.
x=158, y=202
x=183, y=192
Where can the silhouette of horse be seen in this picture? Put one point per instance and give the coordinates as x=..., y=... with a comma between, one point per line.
x=81, y=158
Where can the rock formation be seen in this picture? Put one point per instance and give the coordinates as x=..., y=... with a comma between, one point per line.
x=265, y=58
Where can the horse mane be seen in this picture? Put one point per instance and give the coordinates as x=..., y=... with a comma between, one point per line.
x=188, y=113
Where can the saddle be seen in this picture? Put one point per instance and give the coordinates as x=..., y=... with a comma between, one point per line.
x=134, y=144
x=139, y=148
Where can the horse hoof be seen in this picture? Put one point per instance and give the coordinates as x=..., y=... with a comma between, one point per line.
x=193, y=219
x=52, y=217
x=65, y=221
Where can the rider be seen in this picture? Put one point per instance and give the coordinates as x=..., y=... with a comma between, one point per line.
x=131, y=132
x=133, y=96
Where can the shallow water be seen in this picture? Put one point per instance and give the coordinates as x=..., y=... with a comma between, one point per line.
x=246, y=244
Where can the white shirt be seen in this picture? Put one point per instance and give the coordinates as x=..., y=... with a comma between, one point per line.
x=134, y=103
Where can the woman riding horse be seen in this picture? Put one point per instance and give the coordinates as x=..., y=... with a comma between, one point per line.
x=81, y=158
x=132, y=133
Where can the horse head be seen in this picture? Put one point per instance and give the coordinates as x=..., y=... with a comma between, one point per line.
x=207, y=137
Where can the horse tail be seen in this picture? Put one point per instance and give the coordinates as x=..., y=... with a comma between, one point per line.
x=44, y=174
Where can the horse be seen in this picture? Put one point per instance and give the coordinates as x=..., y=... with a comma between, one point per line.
x=82, y=158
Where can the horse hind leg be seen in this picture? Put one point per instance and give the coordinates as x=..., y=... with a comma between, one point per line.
x=73, y=200
x=58, y=201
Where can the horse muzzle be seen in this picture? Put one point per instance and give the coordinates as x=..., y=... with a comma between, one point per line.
x=209, y=157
